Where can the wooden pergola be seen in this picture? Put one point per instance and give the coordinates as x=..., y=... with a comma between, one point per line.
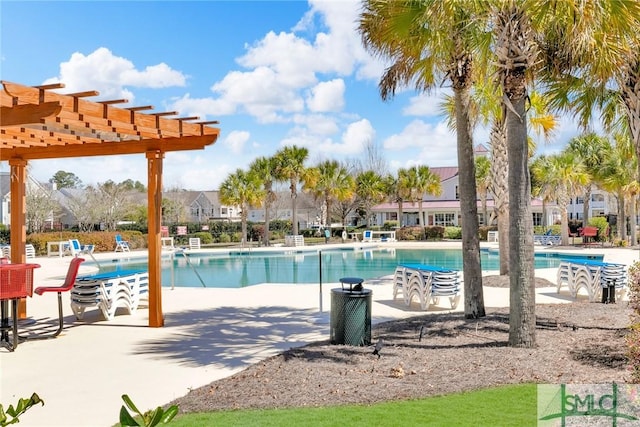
x=37, y=123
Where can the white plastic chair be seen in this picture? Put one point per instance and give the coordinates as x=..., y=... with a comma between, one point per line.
x=194, y=243
x=121, y=244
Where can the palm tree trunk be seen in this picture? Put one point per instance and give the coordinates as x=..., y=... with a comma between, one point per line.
x=294, y=211
x=267, y=220
x=622, y=222
x=586, y=205
x=522, y=317
x=563, y=202
x=499, y=175
x=473, y=293
x=400, y=213
x=632, y=218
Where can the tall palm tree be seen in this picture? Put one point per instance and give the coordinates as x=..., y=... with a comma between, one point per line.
x=429, y=42
x=265, y=168
x=566, y=177
x=483, y=184
x=290, y=167
x=619, y=176
x=242, y=189
x=589, y=149
x=371, y=190
x=405, y=182
x=426, y=182
x=536, y=38
x=540, y=183
x=330, y=181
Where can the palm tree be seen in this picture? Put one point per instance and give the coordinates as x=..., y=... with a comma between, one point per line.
x=536, y=38
x=540, y=183
x=589, y=149
x=483, y=184
x=567, y=177
x=427, y=182
x=371, y=189
x=618, y=176
x=242, y=189
x=403, y=186
x=290, y=167
x=330, y=182
x=427, y=42
x=264, y=168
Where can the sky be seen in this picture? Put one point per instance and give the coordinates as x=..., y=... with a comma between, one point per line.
x=274, y=73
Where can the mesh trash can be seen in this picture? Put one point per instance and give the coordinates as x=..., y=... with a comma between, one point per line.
x=350, y=321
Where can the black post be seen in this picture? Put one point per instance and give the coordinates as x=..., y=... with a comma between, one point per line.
x=612, y=292
x=320, y=267
x=605, y=293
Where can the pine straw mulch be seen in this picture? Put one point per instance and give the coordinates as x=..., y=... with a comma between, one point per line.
x=430, y=355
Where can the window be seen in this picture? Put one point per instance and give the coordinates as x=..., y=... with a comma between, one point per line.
x=537, y=218
x=223, y=211
x=579, y=200
x=596, y=197
x=457, y=193
x=445, y=219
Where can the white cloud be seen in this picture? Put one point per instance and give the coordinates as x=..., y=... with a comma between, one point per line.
x=423, y=143
x=236, y=140
x=101, y=70
x=426, y=105
x=202, y=107
x=327, y=96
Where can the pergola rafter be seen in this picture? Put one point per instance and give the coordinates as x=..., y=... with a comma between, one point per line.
x=37, y=123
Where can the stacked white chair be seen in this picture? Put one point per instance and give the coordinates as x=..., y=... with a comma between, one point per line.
x=427, y=283
x=592, y=277
x=110, y=291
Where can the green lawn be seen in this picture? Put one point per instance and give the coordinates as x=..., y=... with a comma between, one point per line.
x=513, y=405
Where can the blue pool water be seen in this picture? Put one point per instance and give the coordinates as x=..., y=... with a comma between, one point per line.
x=236, y=269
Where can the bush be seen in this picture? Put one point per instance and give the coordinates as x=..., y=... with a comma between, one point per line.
x=453, y=233
x=603, y=226
x=435, y=232
x=205, y=237
x=411, y=233
x=224, y=238
x=483, y=232
x=633, y=337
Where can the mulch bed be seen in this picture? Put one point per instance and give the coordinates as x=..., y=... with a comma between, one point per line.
x=432, y=354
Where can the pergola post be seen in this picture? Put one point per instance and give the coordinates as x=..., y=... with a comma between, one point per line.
x=154, y=196
x=18, y=219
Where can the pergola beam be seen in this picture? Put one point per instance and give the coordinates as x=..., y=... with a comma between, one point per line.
x=28, y=113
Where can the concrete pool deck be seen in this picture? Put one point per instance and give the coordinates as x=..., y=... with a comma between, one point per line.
x=209, y=334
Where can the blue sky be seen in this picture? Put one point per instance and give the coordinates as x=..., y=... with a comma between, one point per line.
x=274, y=73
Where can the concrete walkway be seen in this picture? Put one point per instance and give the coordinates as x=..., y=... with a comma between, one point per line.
x=209, y=334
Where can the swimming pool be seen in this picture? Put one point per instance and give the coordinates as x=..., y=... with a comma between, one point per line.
x=240, y=269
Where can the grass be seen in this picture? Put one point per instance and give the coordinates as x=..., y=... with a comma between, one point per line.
x=513, y=405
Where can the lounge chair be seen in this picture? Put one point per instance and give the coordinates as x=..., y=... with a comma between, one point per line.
x=194, y=243
x=367, y=236
x=121, y=244
x=110, y=291
x=29, y=249
x=427, y=283
x=592, y=277
x=75, y=248
x=69, y=280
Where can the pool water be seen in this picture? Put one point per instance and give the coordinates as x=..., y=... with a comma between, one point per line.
x=240, y=269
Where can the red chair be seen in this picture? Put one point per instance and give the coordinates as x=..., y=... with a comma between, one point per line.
x=72, y=273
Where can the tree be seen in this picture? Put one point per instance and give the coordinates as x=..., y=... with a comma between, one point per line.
x=40, y=207
x=371, y=190
x=290, y=167
x=589, y=149
x=242, y=189
x=426, y=43
x=64, y=179
x=113, y=202
x=536, y=39
x=265, y=169
x=483, y=184
x=331, y=182
x=425, y=182
x=565, y=177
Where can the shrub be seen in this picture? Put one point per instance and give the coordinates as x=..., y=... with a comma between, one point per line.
x=204, y=236
x=633, y=337
x=224, y=238
x=435, y=232
x=602, y=224
x=453, y=233
x=22, y=407
x=411, y=233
